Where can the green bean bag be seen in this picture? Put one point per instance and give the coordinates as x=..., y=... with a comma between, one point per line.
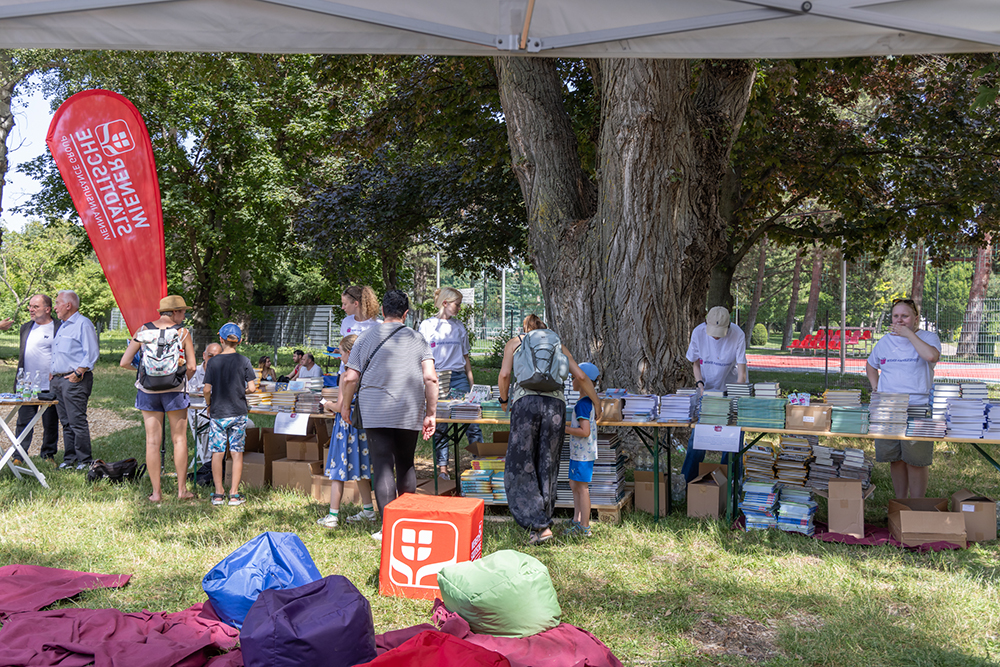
x=506, y=594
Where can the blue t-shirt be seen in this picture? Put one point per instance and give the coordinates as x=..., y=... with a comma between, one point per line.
x=584, y=449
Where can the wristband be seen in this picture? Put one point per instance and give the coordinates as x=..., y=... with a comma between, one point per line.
x=700, y=382
x=503, y=401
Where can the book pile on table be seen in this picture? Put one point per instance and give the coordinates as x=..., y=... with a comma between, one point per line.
x=758, y=504
x=492, y=410
x=767, y=390
x=444, y=384
x=714, y=408
x=313, y=384
x=941, y=393
x=917, y=412
x=465, y=410
x=607, y=486
x=477, y=484
x=758, y=462
x=308, y=402
x=856, y=466
x=796, y=510
x=924, y=427
x=640, y=408
x=735, y=392
x=283, y=401
x=887, y=413
x=975, y=390
x=679, y=407
x=846, y=398
x=443, y=409
x=792, y=465
x=761, y=412
x=966, y=418
x=849, y=419
x=330, y=393
x=992, y=430
x=256, y=399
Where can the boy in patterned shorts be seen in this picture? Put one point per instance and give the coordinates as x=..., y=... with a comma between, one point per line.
x=228, y=378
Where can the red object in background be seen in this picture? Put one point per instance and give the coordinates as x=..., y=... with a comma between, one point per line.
x=102, y=149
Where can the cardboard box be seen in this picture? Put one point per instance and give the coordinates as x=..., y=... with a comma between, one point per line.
x=706, y=493
x=916, y=521
x=253, y=442
x=483, y=449
x=423, y=534
x=808, y=417
x=302, y=448
x=501, y=436
x=644, y=491
x=846, y=506
x=293, y=474
x=322, y=427
x=253, y=469
x=980, y=515
x=445, y=487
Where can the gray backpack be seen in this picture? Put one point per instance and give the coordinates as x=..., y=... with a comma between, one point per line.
x=539, y=362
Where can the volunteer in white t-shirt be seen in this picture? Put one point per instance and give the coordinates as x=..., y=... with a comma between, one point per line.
x=310, y=369
x=360, y=306
x=450, y=346
x=902, y=362
x=718, y=356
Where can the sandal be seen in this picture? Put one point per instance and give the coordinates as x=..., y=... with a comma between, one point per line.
x=218, y=498
x=236, y=499
x=535, y=537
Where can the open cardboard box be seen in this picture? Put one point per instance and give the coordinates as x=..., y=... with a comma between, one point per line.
x=706, y=493
x=253, y=470
x=846, y=506
x=321, y=486
x=980, y=515
x=916, y=521
x=292, y=474
x=302, y=448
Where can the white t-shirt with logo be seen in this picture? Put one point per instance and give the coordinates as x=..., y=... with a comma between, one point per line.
x=349, y=326
x=901, y=369
x=719, y=358
x=38, y=353
x=449, y=342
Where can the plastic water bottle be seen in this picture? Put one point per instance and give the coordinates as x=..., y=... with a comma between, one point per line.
x=19, y=385
x=36, y=383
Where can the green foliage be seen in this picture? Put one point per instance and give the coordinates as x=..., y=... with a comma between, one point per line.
x=758, y=336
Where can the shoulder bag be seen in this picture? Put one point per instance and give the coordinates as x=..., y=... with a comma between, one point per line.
x=355, y=403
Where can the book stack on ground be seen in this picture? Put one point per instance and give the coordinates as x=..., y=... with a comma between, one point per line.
x=758, y=505
x=678, y=407
x=714, y=408
x=607, y=486
x=845, y=398
x=966, y=418
x=887, y=413
x=796, y=510
x=478, y=484
x=761, y=412
x=856, y=466
x=758, y=462
x=845, y=419
x=499, y=491
x=941, y=393
x=767, y=390
x=975, y=390
x=992, y=431
x=792, y=464
x=823, y=467
x=640, y=408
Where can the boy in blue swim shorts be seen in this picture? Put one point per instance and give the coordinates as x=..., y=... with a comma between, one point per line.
x=228, y=378
x=582, y=454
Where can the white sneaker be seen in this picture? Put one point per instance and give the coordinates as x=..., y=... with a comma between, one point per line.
x=363, y=515
x=329, y=521
x=377, y=536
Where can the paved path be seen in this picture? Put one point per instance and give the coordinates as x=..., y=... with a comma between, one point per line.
x=951, y=370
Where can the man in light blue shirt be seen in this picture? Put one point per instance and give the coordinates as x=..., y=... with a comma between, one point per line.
x=74, y=352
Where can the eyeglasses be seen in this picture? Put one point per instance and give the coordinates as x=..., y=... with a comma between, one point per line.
x=909, y=302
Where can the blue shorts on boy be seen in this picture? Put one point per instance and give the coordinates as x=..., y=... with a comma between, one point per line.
x=583, y=451
x=581, y=471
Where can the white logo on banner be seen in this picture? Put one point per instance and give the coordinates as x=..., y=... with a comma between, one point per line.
x=419, y=548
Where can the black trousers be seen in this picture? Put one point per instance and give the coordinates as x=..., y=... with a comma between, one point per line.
x=50, y=426
x=73, y=398
x=392, y=449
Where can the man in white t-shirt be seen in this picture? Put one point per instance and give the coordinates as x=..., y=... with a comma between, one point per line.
x=309, y=369
x=718, y=356
x=36, y=359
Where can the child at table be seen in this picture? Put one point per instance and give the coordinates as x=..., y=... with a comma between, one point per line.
x=582, y=454
x=348, y=459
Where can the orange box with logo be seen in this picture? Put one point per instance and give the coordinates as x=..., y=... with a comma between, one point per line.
x=421, y=535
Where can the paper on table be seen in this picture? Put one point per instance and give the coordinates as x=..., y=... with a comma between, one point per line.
x=717, y=438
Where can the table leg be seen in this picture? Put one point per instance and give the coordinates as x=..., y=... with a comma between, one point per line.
x=453, y=435
x=7, y=457
x=670, y=473
x=986, y=456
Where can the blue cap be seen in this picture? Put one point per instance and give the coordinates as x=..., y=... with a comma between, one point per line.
x=591, y=370
x=230, y=332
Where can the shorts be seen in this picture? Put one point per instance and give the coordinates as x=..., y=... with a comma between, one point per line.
x=166, y=402
x=231, y=430
x=581, y=471
x=919, y=453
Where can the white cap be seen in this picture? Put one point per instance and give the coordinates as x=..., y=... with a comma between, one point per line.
x=717, y=322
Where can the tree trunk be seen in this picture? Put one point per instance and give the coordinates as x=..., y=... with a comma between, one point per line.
x=624, y=262
x=919, y=272
x=809, y=321
x=758, y=288
x=793, y=302
x=968, y=342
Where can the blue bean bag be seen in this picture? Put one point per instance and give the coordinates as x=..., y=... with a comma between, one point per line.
x=267, y=562
x=327, y=623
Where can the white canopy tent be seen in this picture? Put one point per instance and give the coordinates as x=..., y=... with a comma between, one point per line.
x=567, y=28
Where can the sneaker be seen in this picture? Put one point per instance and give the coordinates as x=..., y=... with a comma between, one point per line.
x=236, y=499
x=218, y=498
x=363, y=515
x=445, y=476
x=578, y=530
x=329, y=521
x=377, y=536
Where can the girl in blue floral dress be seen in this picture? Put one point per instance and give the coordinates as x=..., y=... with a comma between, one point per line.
x=348, y=460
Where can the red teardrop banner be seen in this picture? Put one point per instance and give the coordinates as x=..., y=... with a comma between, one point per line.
x=103, y=151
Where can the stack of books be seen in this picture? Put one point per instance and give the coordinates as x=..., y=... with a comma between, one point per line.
x=887, y=413
x=792, y=464
x=478, y=484
x=767, y=390
x=444, y=384
x=975, y=390
x=255, y=399
x=849, y=420
x=283, y=401
x=761, y=412
x=465, y=410
x=313, y=384
x=758, y=462
x=966, y=418
x=796, y=510
x=492, y=410
x=823, y=467
x=846, y=398
x=499, y=491
x=926, y=428
x=640, y=408
x=917, y=412
x=308, y=402
x=758, y=505
x=607, y=486
x=856, y=466
x=940, y=395
x=679, y=407
x=714, y=408
x=992, y=431
x=443, y=409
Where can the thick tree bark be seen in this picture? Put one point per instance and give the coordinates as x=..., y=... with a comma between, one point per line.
x=919, y=272
x=793, y=301
x=758, y=288
x=968, y=342
x=624, y=262
x=816, y=282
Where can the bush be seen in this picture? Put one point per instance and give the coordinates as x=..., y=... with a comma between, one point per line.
x=758, y=336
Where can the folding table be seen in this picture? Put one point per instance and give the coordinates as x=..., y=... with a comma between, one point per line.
x=7, y=452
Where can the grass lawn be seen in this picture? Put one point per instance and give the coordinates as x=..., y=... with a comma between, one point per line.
x=683, y=592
